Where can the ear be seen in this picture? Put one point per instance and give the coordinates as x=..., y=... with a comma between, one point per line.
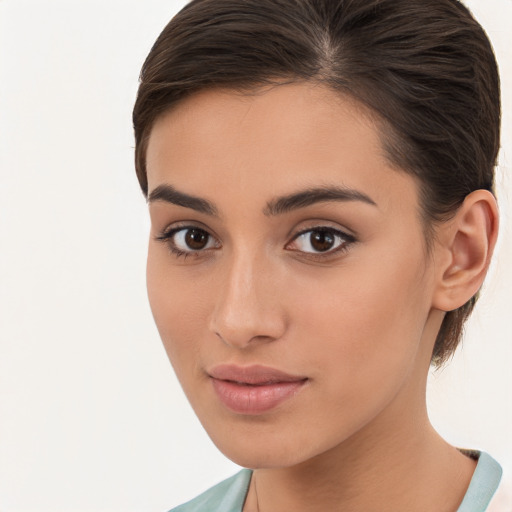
x=464, y=248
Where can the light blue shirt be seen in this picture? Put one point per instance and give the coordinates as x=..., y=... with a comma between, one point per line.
x=229, y=495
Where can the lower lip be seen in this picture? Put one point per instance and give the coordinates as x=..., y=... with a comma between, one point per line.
x=250, y=399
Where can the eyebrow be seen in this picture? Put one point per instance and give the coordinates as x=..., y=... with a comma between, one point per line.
x=169, y=194
x=274, y=207
x=312, y=196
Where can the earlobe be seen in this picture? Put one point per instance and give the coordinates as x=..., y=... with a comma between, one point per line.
x=466, y=244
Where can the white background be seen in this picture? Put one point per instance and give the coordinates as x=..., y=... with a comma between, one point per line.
x=91, y=417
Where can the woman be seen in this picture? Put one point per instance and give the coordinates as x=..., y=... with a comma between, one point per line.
x=320, y=182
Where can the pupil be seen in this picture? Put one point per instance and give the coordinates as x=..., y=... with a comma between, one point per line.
x=321, y=240
x=196, y=239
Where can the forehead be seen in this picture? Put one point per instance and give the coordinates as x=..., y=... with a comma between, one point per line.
x=272, y=141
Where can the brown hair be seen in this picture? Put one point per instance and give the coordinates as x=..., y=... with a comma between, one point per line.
x=425, y=67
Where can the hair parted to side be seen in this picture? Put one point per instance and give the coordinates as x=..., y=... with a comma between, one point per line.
x=425, y=68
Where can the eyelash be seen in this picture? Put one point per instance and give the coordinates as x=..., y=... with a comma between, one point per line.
x=346, y=240
x=168, y=238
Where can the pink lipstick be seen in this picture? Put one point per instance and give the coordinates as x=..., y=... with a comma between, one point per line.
x=253, y=389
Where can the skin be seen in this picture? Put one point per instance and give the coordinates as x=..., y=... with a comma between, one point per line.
x=359, y=323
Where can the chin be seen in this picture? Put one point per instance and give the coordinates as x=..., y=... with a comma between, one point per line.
x=262, y=457
x=266, y=447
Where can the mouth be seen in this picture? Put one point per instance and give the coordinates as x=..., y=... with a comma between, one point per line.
x=254, y=389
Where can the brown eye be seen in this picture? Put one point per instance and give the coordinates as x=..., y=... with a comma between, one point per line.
x=196, y=239
x=321, y=241
x=189, y=240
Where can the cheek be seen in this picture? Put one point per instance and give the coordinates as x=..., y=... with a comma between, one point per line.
x=179, y=304
x=367, y=318
x=360, y=339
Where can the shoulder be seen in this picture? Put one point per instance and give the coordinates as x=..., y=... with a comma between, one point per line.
x=227, y=496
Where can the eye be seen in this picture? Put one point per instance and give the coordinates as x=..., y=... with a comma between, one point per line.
x=320, y=240
x=187, y=240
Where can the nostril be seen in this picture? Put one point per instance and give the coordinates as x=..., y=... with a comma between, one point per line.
x=244, y=314
x=242, y=338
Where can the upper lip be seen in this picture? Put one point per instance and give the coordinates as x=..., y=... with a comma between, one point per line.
x=254, y=374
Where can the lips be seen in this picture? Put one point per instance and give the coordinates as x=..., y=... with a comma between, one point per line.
x=254, y=389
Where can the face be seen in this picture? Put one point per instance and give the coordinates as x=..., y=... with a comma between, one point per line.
x=287, y=271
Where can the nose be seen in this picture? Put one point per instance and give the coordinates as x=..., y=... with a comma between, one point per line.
x=247, y=311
